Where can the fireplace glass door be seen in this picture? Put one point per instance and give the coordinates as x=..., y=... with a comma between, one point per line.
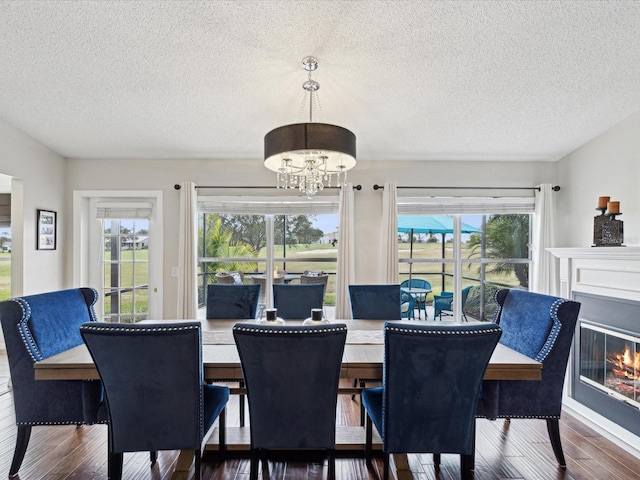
x=610, y=361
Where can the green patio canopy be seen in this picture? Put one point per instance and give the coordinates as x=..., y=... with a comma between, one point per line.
x=442, y=224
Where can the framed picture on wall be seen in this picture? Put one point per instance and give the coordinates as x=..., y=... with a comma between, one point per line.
x=47, y=230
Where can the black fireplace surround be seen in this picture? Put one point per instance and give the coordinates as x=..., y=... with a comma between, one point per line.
x=608, y=337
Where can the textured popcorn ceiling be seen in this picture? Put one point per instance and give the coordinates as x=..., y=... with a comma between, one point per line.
x=417, y=80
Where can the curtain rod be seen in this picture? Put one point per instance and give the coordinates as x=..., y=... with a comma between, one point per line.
x=556, y=188
x=178, y=186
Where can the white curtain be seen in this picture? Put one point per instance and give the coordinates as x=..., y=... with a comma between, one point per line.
x=346, y=268
x=544, y=272
x=389, y=273
x=187, y=253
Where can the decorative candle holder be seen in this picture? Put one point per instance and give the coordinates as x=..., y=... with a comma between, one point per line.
x=607, y=231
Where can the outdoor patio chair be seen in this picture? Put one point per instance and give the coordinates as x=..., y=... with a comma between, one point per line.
x=421, y=298
x=407, y=305
x=315, y=277
x=443, y=304
x=231, y=278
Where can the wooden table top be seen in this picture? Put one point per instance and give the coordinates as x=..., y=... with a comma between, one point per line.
x=363, y=355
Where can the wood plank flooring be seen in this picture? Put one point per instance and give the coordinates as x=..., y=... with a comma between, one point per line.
x=519, y=450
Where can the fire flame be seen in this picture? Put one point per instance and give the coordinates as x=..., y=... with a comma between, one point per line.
x=626, y=360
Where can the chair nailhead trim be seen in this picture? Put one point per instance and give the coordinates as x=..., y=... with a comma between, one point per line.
x=447, y=332
x=296, y=331
x=555, y=330
x=142, y=328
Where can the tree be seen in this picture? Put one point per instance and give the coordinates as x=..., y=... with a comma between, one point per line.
x=218, y=243
x=507, y=236
x=251, y=229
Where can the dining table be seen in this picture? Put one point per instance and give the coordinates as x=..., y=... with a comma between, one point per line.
x=363, y=358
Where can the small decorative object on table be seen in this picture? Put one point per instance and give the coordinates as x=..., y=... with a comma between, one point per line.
x=317, y=317
x=271, y=319
x=607, y=231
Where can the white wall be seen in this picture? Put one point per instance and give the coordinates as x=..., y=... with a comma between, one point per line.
x=163, y=174
x=608, y=165
x=40, y=180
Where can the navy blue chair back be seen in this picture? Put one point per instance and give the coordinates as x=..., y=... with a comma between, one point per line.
x=375, y=302
x=432, y=378
x=226, y=301
x=296, y=301
x=36, y=327
x=154, y=386
x=291, y=375
x=540, y=327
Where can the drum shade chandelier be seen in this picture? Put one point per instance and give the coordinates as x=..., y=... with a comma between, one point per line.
x=310, y=156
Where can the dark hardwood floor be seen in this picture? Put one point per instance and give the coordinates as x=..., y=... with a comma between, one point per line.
x=519, y=450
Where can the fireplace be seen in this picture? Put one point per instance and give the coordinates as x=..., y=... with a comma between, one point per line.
x=606, y=361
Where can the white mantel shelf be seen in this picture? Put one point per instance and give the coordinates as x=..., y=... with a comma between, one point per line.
x=614, y=253
x=609, y=272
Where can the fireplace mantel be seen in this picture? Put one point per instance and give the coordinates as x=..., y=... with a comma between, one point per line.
x=608, y=272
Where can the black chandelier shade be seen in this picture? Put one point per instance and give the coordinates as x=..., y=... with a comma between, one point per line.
x=311, y=138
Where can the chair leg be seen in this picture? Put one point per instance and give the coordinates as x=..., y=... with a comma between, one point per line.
x=265, y=466
x=222, y=433
x=253, y=473
x=385, y=467
x=466, y=466
x=355, y=384
x=368, y=441
x=198, y=465
x=467, y=462
x=22, y=441
x=153, y=456
x=436, y=460
x=114, y=466
x=241, y=404
x=553, y=427
x=362, y=414
x=331, y=464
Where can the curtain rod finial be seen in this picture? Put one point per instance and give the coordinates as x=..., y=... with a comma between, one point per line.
x=378, y=187
x=556, y=188
x=177, y=186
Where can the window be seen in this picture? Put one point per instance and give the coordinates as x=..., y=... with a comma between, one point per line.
x=490, y=251
x=273, y=237
x=126, y=270
x=118, y=240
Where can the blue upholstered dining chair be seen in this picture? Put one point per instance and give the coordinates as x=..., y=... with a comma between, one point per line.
x=421, y=298
x=540, y=327
x=154, y=387
x=431, y=382
x=292, y=375
x=295, y=301
x=375, y=302
x=37, y=327
x=233, y=301
x=443, y=303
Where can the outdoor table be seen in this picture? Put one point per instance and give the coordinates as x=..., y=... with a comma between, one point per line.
x=415, y=292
